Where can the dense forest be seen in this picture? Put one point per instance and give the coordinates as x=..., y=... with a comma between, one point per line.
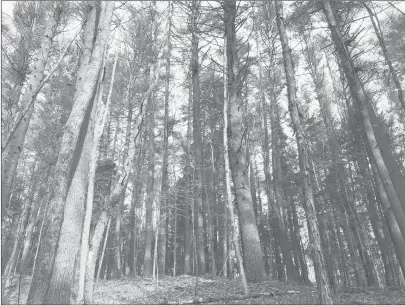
x=235, y=140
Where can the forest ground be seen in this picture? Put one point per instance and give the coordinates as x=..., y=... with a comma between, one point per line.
x=185, y=289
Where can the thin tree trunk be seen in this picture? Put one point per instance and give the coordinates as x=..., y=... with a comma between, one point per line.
x=225, y=211
x=31, y=225
x=381, y=153
x=396, y=236
x=384, y=50
x=375, y=219
x=19, y=233
x=211, y=220
x=313, y=226
x=175, y=234
x=147, y=261
x=136, y=200
x=12, y=151
x=277, y=180
x=92, y=256
x=165, y=176
x=197, y=143
x=102, y=252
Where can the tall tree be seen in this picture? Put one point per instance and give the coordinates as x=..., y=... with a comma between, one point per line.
x=165, y=177
x=381, y=41
x=65, y=166
x=197, y=141
x=379, y=148
x=14, y=144
x=252, y=252
x=313, y=226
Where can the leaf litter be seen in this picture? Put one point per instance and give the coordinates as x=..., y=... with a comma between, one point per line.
x=186, y=289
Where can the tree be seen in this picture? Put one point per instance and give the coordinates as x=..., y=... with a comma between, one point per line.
x=165, y=179
x=313, y=226
x=381, y=41
x=64, y=166
x=12, y=148
x=381, y=153
x=252, y=252
x=197, y=145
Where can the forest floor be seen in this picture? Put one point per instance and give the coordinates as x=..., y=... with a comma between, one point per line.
x=188, y=289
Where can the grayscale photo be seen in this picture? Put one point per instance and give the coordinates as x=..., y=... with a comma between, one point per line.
x=203, y=152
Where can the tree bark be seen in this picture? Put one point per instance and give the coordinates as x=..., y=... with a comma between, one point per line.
x=103, y=252
x=19, y=233
x=60, y=287
x=277, y=180
x=396, y=236
x=31, y=224
x=65, y=165
x=253, y=256
x=313, y=226
x=118, y=264
x=165, y=176
x=147, y=261
x=89, y=176
x=381, y=153
x=229, y=194
x=187, y=191
x=384, y=50
x=92, y=256
x=197, y=143
x=137, y=196
x=12, y=151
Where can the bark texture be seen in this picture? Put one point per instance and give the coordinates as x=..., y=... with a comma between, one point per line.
x=253, y=256
x=92, y=257
x=65, y=165
x=12, y=150
x=197, y=147
x=384, y=50
x=165, y=176
x=379, y=148
x=309, y=203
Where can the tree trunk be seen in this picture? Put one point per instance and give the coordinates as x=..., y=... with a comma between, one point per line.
x=31, y=224
x=319, y=262
x=298, y=243
x=384, y=50
x=103, y=252
x=277, y=180
x=118, y=265
x=187, y=191
x=253, y=256
x=165, y=176
x=381, y=153
x=229, y=195
x=65, y=165
x=147, y=261
x=95, y=133
x=136, y=202
x=197, y=147
x=12, y=150
x=22, y=224
x=396, y=236
x=375, y=218
x=60, y=287
x=92, y=256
